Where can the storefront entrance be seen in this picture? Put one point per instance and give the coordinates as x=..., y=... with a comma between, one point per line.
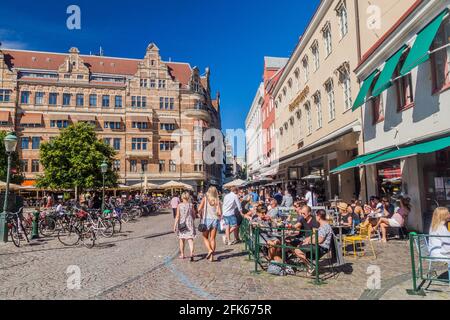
x=436, y=177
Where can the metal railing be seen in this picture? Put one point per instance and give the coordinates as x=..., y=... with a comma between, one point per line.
x=419, y=247
x=251, y=235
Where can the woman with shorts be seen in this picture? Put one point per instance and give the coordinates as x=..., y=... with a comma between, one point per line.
x=211, y=207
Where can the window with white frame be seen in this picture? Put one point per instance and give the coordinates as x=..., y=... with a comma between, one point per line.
x=327, y=39
x=318, y=103
x=308, y=118
x=343, y=19
x=297, y=78
x=316, y=57
x=331, y=100
x=305, y=68
x=347, y=90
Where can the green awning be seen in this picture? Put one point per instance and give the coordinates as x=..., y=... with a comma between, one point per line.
x=359, y=161
x=385, y=79
x=404, y=152
x=420, y=51
x=361, y=99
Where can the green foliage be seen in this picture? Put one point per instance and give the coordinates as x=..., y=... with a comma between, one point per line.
x=74, y=159
x=17, y=177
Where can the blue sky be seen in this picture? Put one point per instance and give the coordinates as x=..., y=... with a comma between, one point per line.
x=229, y=36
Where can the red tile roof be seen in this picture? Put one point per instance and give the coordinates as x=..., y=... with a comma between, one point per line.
x=181, y=71
x=102, y=65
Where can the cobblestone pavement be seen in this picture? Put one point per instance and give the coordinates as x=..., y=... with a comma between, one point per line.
x=143, y=264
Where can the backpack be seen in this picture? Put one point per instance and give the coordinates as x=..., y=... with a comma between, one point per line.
x=278, y=270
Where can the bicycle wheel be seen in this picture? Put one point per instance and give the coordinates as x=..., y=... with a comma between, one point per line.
x=88, y=238
x=70, y=236
x=47, y=226
x=15, y=235
x=125, y=217
x=117, y=225
x=106, y=228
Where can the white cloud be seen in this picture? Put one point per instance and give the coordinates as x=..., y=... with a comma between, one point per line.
x=11, y=40
x=13, y=45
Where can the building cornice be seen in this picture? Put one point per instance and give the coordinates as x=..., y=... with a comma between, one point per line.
x=403, y=34
x=302, y=45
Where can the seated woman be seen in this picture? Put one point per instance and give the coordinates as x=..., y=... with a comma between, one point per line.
x=398, y=220
x=439, y=242
x=345, y=218
x=263, y=220
x=325, y=234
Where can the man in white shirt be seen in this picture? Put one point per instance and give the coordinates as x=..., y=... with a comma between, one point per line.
x=311, y=198
x=231, y=204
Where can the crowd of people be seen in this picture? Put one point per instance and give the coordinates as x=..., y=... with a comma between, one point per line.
x=224, y=213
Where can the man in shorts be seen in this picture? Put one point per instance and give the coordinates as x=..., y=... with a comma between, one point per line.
x=231, y=205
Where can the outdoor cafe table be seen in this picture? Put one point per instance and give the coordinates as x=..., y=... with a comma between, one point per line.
x=340, y=228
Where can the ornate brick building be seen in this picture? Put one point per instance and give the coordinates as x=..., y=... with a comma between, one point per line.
x=136, y=106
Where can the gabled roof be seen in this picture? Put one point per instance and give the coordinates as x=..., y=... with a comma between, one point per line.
x=274, y=80
x=50, y=61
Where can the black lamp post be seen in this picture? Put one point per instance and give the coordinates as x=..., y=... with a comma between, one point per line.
x=10, y=146
x=104, y=169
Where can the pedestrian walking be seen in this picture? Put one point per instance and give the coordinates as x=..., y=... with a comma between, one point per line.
x=174, y=204
x=184, y=225
x=231, y=204
x=211, y=212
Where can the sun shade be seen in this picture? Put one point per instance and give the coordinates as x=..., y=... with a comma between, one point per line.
x=359, y=161
x=420, y=148
x=360, y=100
x=385, y=79
x=420, y=51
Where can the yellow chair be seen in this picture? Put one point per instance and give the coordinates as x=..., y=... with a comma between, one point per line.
x=363, y=235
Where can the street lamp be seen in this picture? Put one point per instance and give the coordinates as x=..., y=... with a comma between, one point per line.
x=104, y=169
x=10, y=146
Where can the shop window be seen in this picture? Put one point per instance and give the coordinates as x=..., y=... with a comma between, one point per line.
x=405, y=96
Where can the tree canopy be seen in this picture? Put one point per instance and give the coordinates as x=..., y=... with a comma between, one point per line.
x=73, y=159
x=16, y=175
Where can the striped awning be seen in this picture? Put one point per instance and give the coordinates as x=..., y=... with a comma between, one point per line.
x=4, y=116
x=85, y=117
x=112, y=119
x=31, y=118
x=60, y=116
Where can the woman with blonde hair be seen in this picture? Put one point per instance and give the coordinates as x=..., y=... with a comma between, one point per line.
x=184, y=224
x=439, y=243
x=210, y=211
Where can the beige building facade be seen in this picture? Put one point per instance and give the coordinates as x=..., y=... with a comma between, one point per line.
x=136, y=105
x=317, y=128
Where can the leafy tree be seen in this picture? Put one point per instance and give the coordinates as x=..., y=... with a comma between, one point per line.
x=74, y=159
x=16, y=175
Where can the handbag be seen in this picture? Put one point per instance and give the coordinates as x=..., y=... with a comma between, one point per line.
x=202, y=227
x=182, y=227
x=276, y=270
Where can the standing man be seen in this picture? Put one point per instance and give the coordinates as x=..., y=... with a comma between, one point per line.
x=174, y=204
x=231, y=205
x=311, y=197
x=288, y=201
